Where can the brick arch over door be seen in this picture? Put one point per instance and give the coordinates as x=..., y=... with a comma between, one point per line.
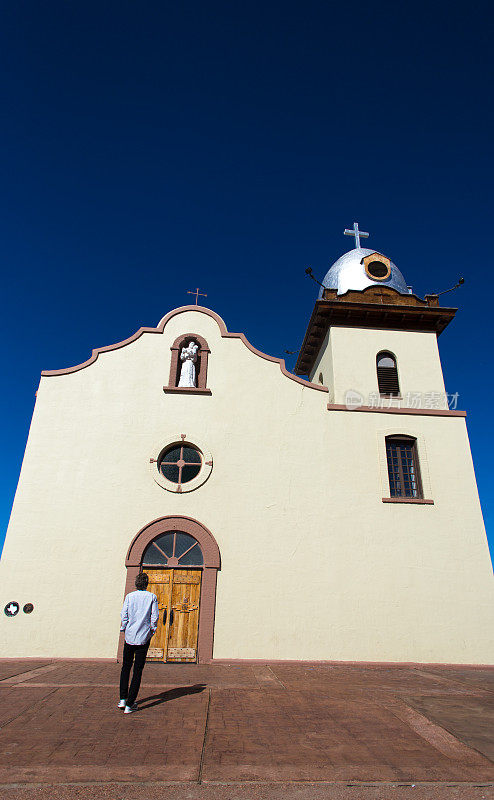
x=212, y=564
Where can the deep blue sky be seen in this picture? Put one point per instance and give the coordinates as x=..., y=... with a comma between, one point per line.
x=149, y=148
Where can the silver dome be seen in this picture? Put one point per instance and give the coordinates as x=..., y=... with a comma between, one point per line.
x=349, y=273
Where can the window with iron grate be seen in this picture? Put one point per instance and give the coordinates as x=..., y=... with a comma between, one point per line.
x=403, y=467
x=387, y=374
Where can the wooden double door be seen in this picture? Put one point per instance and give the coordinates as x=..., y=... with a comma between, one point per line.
x=179, y=594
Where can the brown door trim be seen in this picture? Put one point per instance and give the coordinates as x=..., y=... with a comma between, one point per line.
x=212, y=563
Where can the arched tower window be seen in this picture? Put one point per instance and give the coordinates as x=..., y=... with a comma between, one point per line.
x=200, y=365
x=387, y=374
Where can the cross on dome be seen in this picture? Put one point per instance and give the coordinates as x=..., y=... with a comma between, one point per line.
x=355, y=232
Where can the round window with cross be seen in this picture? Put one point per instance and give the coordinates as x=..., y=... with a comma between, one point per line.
x=180, y=463
x=181, y=466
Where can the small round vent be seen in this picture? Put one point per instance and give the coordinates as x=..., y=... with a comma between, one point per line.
x=378, y=270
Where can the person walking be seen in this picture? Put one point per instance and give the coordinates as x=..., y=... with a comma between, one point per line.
x=139, y=621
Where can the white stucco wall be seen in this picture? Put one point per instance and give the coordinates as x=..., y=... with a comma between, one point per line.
x=322, y=371
x=347, y=360
x=314, y=564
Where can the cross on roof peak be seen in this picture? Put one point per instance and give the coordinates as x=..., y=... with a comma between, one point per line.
x=198, y=294
x=355, y=232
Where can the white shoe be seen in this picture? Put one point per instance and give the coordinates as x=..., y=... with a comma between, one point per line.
x=122, y=703
x=130, y=709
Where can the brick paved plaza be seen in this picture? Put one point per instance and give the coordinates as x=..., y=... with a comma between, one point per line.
x=247, y=731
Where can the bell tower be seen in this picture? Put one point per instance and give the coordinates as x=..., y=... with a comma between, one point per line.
x=366, y=322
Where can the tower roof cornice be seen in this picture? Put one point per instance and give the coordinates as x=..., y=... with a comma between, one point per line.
x=377, y=307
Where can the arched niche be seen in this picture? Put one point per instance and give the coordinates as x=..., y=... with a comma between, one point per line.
x=201, y=365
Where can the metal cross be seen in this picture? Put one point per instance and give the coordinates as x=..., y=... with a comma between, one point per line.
x=355, y=232
x=197, y=294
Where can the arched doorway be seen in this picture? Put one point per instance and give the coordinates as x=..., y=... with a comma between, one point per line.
x=181, y=558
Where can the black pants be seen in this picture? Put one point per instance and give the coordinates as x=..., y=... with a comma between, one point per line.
x=133, y=653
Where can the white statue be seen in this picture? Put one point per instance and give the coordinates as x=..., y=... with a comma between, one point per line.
x=188, y=372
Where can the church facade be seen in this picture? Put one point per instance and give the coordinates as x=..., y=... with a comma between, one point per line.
x=331, y=514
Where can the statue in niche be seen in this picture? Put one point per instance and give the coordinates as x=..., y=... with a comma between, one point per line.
x=188, y=357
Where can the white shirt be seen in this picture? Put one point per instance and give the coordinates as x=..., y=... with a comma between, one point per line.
x=139, y=616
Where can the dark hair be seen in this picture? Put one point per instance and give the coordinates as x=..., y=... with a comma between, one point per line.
x=142, y=581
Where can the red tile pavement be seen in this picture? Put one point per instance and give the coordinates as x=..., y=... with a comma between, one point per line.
x=480, y=678
x=305, y=735
x=399, y=680
x=82, y=673
x=248, y=791
x=13, y=706
x=472, y=719
x=9, y=668
x=219, y=723
x=80, y=734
